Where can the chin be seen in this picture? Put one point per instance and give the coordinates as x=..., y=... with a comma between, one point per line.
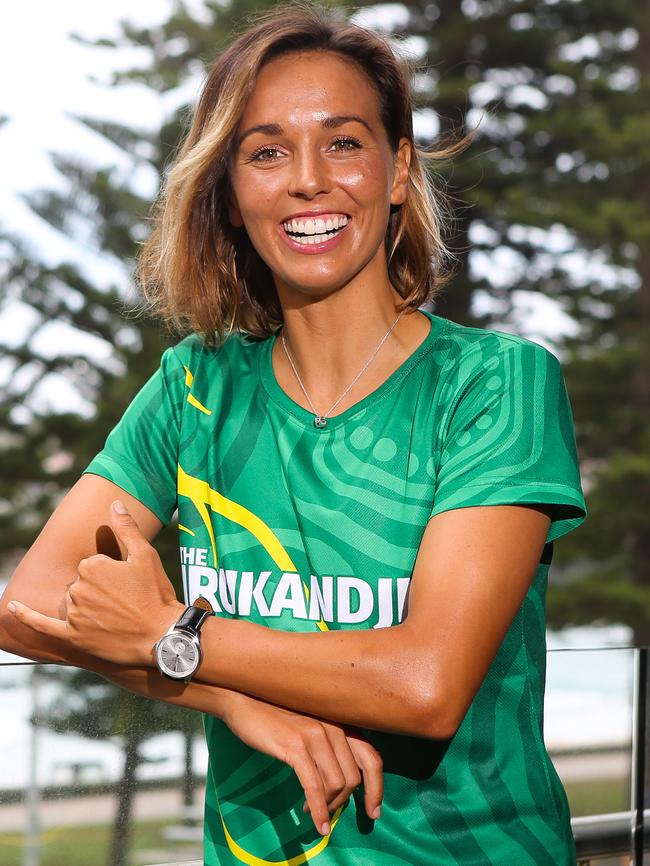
x=315, y=289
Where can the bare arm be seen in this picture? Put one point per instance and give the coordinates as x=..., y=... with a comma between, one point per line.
x=50, y=566
x=328, y=761
x=473, y=570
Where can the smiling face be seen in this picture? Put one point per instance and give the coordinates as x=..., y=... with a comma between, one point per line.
x=314, y=176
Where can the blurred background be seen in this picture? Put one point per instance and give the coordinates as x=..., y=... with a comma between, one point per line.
x=552, y=221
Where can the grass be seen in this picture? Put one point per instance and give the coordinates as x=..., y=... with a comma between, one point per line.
x=86, y=846
x=598, y=796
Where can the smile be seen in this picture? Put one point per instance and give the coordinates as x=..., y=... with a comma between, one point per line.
x=314, y=235
x=321, y=227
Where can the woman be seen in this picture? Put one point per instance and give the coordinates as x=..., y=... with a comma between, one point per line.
x=367, y=494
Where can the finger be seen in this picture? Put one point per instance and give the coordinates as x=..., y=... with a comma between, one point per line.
x=48, y=625
x=125, y=528
x=312, y=784
x=331, y=772
x=372, y=769
x=90, y=565
x=346, y=762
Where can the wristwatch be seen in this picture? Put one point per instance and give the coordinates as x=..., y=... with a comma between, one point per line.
x=178, y=652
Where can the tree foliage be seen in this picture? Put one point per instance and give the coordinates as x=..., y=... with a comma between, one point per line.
x=551, y=207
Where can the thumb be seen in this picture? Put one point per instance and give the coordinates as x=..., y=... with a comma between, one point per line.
x=125, y=527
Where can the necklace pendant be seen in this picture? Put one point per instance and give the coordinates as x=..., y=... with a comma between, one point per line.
x=320, y=421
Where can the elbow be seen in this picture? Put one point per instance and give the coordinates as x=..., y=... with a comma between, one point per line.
x=17, y=638
x=434, y=714
x=436, y=721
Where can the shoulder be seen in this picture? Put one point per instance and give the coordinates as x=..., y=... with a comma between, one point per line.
x=193, y=352
x=470, y=352
x=465, y=340
x=481, y=370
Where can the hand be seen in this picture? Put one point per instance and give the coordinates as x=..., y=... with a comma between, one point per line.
x=114, y=610
x=330, y=761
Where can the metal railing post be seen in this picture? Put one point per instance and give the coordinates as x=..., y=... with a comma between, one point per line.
x=640, y=741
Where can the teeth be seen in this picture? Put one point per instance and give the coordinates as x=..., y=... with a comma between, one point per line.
x=307, y=240
x=316, y=226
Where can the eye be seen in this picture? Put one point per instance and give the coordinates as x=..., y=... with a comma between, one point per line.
x=263, y=154
x=268, y=153
x=346, y=143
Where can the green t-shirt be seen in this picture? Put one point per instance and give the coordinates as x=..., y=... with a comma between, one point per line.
x=307, y=529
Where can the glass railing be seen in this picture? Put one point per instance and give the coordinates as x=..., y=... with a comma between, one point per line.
x=90, y=775
x=589, y=730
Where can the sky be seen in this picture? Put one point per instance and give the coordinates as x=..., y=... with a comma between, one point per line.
x=48, y=78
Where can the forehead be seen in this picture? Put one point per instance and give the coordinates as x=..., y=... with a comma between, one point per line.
x=301, y=86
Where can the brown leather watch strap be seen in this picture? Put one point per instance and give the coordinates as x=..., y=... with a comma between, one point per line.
x=203, y=604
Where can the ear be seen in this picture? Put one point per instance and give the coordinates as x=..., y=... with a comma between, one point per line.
x=402, y=162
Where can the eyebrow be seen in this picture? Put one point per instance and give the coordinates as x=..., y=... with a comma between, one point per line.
x=327, y=123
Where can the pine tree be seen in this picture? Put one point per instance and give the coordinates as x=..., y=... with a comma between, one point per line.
x=609, y=374
x=44, y=451
x=550, y=203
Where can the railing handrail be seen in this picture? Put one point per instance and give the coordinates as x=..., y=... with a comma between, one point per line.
x=604, y=835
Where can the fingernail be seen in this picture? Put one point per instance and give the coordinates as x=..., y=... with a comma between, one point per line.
x=326, y=829
x=12, y=607
x=119, y=507
x=377, y=813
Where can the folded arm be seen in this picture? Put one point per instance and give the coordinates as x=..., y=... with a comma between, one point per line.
x=329, y=761
x=51, y=566
x=473, y=569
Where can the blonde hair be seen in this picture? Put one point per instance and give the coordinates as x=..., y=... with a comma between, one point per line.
x=201, y=274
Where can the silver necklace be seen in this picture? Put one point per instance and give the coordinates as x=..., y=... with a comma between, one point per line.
x=321, y=420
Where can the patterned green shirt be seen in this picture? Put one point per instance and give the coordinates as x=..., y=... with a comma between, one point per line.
x=307, y=529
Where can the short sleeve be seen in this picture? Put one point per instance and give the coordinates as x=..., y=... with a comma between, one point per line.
x=508, y=436
x=141, y=452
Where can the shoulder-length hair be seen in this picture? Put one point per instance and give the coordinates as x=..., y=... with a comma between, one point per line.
x=201, y=274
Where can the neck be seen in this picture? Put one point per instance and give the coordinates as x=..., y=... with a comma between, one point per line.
x=331, y=339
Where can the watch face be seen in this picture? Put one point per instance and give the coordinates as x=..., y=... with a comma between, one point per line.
x=177, y=655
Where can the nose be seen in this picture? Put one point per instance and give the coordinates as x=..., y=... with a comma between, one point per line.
x=309, y=174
